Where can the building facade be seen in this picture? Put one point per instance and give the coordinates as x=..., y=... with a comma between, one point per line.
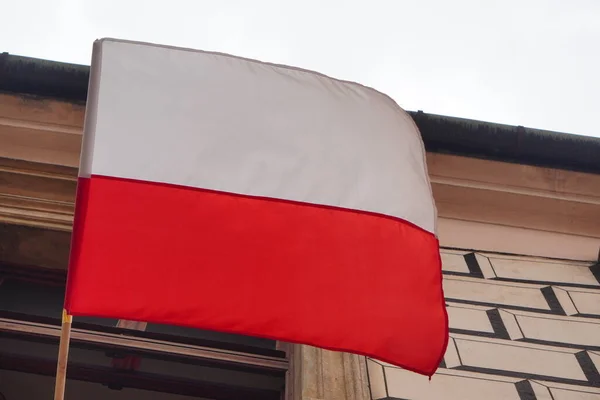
x=519, y=226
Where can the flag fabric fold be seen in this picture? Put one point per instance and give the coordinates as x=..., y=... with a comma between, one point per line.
x=233, y=195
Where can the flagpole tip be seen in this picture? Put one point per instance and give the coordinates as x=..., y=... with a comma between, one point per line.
x=66, y=317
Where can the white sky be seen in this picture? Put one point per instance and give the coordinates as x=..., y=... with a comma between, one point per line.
x=521, y=62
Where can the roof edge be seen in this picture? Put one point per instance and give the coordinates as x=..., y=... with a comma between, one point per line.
x=441, y=134
x=508, y=143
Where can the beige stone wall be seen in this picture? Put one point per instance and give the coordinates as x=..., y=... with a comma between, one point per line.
x=521, y=328
x=548, y=212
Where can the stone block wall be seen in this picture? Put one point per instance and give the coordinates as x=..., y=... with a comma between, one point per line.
x=520, y=327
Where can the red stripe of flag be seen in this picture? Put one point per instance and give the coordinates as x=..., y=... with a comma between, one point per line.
x=334, y=278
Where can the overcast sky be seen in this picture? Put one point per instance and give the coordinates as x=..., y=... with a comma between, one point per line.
x=520, y=62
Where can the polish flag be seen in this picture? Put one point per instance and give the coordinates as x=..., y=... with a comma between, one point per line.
x=233, y=195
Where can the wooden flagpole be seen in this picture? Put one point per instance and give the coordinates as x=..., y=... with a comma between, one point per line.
x=63, y=356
